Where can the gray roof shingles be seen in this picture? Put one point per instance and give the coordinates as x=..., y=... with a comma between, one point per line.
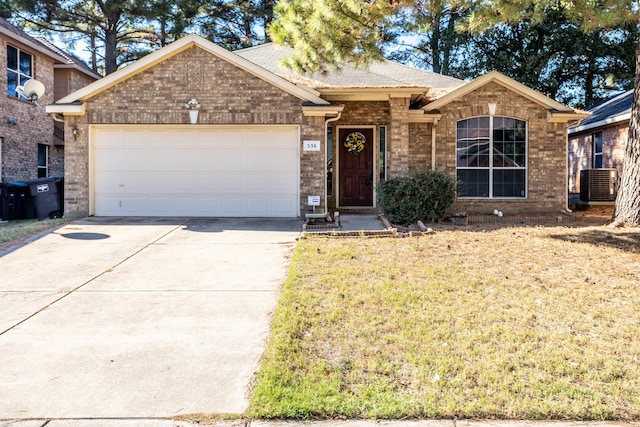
x=610, y=108
x=385, y=74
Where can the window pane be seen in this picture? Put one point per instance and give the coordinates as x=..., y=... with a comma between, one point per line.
x=597, y=161
x=12, y=58
x=597, y=142
x=383, y=153
x=329, y=161
x=12, y=82
x=42, y=155
x=509, y=183
x=597, y=150
x=475, y=182
x=25, y=63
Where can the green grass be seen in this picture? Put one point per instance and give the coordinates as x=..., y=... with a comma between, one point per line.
x=15, y=231
x=518, y=323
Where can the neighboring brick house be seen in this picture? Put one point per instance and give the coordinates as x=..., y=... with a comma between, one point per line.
x=195, y=130
x=599, y=141
x=29, y=145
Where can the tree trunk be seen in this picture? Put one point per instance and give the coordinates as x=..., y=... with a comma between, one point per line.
x=627, y=210
x=110, y=50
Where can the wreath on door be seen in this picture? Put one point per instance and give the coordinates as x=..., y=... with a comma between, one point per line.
x=354, y=143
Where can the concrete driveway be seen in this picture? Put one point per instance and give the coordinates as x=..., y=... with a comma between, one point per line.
x=138, y=317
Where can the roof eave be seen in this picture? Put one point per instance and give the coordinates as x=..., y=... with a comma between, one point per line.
x=40, y=48
x=370, y=93
x=420, y=116
x=322, y=110
x=78, y=68
x=566, y=117
x=73, y=109
x=601, y=123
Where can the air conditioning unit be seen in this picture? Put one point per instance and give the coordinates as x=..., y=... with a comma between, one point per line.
x=598, y=185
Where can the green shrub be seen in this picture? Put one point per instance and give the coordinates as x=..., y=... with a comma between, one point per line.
x=421, y=196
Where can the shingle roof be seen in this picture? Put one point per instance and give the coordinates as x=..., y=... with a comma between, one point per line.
x=612, y=110
x=71, y=59
x=44, y=46
x=386, y=74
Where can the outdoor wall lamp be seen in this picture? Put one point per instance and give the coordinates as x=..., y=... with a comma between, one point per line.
x=75, y=132
x=194, y=108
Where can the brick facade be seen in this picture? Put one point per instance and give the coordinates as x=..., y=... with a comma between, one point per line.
x=614, y=141
x=23, y=125
x=32, y=125
x=228, y=95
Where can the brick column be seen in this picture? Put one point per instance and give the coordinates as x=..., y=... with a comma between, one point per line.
x=398, y=148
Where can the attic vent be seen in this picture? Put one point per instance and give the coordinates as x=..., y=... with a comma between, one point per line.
x=598, y=185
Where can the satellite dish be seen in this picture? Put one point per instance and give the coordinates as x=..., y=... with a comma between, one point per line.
x=32, y=90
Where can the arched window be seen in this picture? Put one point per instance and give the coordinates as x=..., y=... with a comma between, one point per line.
x=491, y=157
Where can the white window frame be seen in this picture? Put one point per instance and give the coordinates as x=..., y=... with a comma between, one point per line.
x=491, y=168
x=22, y=78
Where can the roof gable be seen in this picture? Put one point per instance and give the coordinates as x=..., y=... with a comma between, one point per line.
x=301, y=92
x=501, y=79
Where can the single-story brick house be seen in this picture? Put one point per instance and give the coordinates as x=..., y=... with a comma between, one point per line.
x=31, y=146
x=195, y=130
x=599, y=141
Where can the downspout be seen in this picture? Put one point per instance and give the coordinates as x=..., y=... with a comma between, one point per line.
x=55, y=117
x=326, y=127
x=433, y=144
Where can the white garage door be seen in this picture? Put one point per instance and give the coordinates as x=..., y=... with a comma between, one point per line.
x=195, y=171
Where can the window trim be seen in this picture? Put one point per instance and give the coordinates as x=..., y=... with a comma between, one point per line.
x=17, y=71
x=491, y=168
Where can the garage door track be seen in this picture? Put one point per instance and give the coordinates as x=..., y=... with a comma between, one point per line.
x=138, y=317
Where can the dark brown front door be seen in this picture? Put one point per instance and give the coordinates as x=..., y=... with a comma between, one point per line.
x=356, y=166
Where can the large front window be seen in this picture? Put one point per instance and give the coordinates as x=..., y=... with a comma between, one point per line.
x=492, y=157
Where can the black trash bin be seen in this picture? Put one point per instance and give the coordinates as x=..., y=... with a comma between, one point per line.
x=48, y=198
x=15, y=201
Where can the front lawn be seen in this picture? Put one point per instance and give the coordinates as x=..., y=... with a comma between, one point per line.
x=13, y=232
x=514, y=323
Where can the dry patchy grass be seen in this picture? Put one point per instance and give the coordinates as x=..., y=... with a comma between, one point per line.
x=15, y=232
x=516, y=323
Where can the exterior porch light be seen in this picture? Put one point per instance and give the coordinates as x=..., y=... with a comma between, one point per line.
x=194, y=108
x=492, y=108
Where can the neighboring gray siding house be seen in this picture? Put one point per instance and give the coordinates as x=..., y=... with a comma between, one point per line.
x=599, y=141
x=30, y=146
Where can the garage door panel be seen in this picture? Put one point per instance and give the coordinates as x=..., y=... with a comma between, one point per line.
x=196, y=172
